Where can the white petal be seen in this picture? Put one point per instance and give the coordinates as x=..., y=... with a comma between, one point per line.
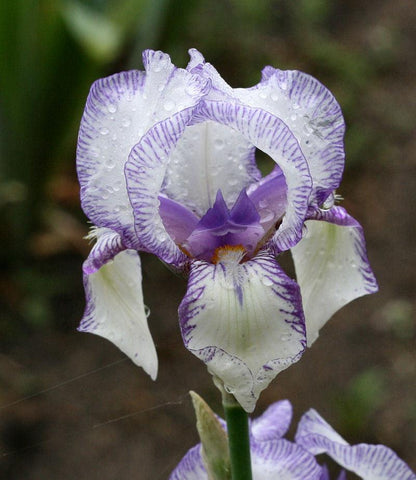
x=244, y=321
x=332, y=270
x=115, y=309
x=208, y=157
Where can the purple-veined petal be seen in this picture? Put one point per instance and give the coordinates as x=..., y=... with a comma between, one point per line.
x=331, y=266
x=283, y=460
x=178, y=221
x=273, y=423
x=269, y=196
x=115, y=309
x=207, y=158
x=145, y=172
x=197, y=64
x=244, y=320
x=272, y=136
x=313, y=116
x=191, y=467
x=119, y=110
x=108, y=245
x=270, y=460
x=370, y=462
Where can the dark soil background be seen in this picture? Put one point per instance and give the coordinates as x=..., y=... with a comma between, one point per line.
x=71, y=405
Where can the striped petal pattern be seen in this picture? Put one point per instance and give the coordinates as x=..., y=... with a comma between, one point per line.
x=370, y=462
x=244, y=320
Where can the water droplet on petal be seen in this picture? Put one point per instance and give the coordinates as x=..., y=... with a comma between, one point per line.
x=307, y=129
x=126, y=122
x=274, y=96
x=104, y=131
x=95, y=152
x=266, y=281
x=219, y=143
x=286, y=337
x=112, y=108
x=169, y=105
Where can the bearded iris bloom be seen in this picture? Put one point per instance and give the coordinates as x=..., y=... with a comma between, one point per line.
x=275, y=457
x=166, y=164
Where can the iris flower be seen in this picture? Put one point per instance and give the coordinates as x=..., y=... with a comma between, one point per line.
x=166, y=163
x=273, y=457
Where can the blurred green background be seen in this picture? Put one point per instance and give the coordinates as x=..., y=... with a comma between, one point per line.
x=360, y=374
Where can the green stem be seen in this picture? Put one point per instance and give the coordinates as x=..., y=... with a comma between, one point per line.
x=238, y=437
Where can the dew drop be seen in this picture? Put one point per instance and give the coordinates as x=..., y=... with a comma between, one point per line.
x=307, y=129
x=286, y=337
x=219, y=143
x=126, y=122
x=104, y=131
x=169, y=105
x=95, y=152
x=274, y=96
x=110, y=164
x=112, y=108
x=263, y=94
x=266, y=281
x=266, y=215
x=190, y=89
x=105, y=195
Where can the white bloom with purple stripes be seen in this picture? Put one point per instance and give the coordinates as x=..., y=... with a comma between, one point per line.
x=274, y=457
x=166, y=163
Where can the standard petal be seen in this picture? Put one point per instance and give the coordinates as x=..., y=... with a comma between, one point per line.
x=244, y=321
x=332, y=268
x=283, y=460
x=370, y=462
x=313, y=116
x=119, y=110
x=209, y=157
x=273, y=423
x=115, y=309
x=268, y=133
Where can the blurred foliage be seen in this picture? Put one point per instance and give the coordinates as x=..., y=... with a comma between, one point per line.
x=359, y=401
